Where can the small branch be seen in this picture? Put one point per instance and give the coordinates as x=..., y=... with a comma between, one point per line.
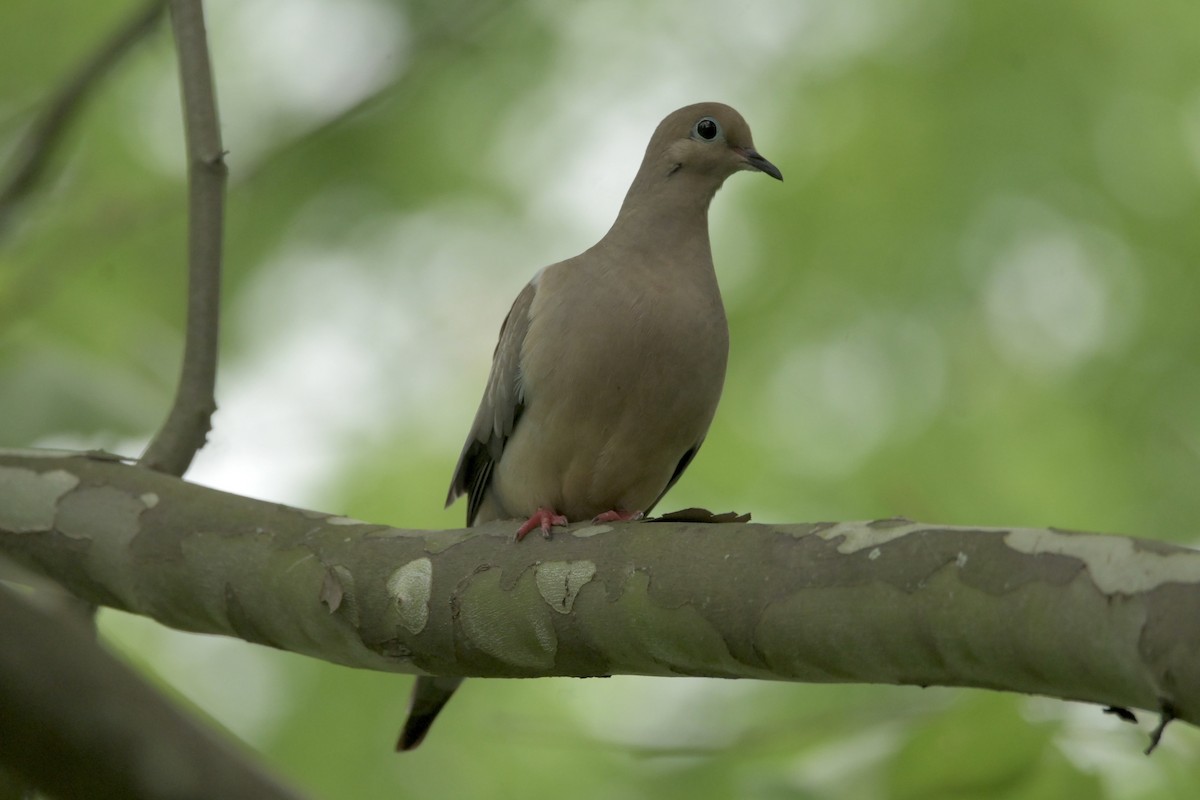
x=78, y=723
x=33, y=153
x=188, y=423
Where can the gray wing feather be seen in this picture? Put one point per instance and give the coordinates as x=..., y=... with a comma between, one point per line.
x=498, y=412
x=679, y=468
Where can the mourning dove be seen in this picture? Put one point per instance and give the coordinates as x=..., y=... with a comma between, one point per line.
x=610, y=364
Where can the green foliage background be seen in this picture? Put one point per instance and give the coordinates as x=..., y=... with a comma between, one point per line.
x=974, y=300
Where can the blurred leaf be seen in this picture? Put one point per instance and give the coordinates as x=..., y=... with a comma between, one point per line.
x=983, y=748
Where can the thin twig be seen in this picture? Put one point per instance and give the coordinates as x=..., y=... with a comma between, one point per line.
x=183, y=433
x=33, y=153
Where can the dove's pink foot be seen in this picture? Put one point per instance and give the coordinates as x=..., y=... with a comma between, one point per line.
x=617, y=515
x=542, y=518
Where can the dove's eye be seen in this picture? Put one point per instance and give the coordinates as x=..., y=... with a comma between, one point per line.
x=706, y=129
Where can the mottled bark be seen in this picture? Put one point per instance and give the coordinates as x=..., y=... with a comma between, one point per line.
x=1103, y=619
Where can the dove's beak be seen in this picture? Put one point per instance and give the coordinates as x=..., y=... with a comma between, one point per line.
x=756, y=161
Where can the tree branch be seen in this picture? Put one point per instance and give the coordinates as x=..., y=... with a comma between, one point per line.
x=33, y=153
x=1101, y=619
x=77, y=723
x=188, y=423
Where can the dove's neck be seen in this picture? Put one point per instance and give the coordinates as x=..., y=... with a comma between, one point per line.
x=669, y=211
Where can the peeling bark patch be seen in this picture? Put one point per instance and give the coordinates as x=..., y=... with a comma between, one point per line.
x=108, y=520
x=409, y=588
x=337, y=593
x=560, y=581
x=331, y=590
x=108, y=517
x=591, y=530
x=36, y=494
x=433, y=541
x=245, y=623
x=38, y=452
x=800, y=530
x=695, y=647
x=441, y=541
x=859, y=536
x=1115, y=565
x=345, y=521
x=890, y=522
x=523, y=642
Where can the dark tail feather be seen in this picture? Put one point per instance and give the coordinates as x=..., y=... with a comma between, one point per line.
x=428, y=696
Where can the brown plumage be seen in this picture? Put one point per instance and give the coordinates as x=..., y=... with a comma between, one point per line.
x=610, y=364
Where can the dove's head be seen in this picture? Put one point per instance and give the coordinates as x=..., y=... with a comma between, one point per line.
x=690, y=155
x=706, y=139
